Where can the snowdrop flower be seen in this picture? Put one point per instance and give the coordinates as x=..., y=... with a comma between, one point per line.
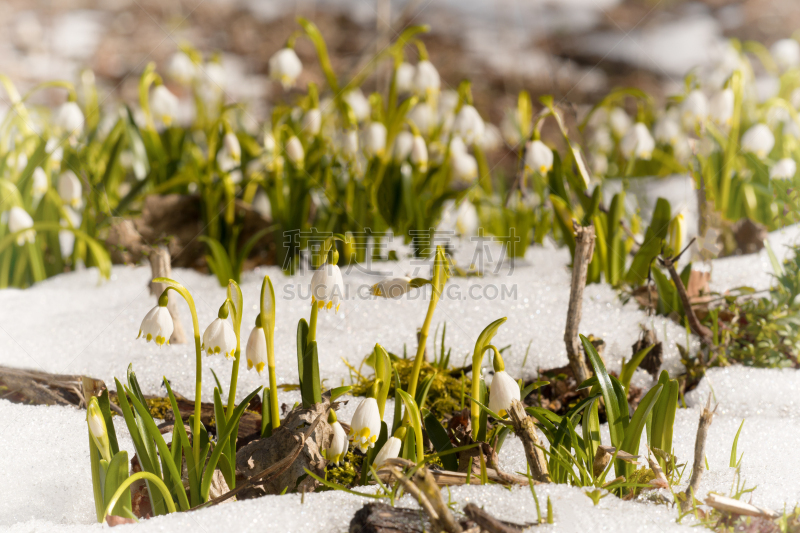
x=164, y=105
x=502, y=391
x=601, y=140
x=312, y=121
x=391, y=287
x=219, y=336
x=403, y=144
x=492, y=139
x=157, y=324
x=721, y=107
x=620, y=121
x=538, y=157
x=667, y=130
x=786, y=53
x=694, y=108
x=426, y=78
x=327, y=287
x=366, y=424
x=469, y=125
x=457, y=146
x=404, y=77
x=40, y=182
x=638, y=142
x=358, y=103
x=375, y=144
x=181, y=68
x=390, y=450
x=256, y=350
x=285, y=67
x=69, y=119
x=70, y=189
x=599, y=163
x=53, y=147
x=97, y=428
x=262, y=205
x=66, y=239
x=350, y=143
x=230, y=156
x=785, y=169
x=18, y=220
x=758, y=140
x=467, y=219
x=294, y=151
x=423, y=117
x=464, y=166
x=337, y=449
x=419, y=153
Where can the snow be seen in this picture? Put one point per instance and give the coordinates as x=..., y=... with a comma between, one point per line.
x=83, y=327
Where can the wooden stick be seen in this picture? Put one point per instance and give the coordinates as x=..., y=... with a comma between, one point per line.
x=699, y=454
x=584, y=248
x=525, y=429
x=161, y=267
x=730, y=505
x=694, y=323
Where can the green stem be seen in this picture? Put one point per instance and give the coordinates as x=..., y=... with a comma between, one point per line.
x=152, y=478
x=234, y=378
x=312, y=323
x=274, y=413
x=423, y=340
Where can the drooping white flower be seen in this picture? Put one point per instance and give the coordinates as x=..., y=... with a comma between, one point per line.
x=53, y=147
x=404, y=77
x=538, y=157
x=457, y=146
x=40, y=182
x=66, y=238
x=419, y=153
x=70, y=189
x=164, y=105
x=230, y=156
x=694, y=108
x=350, y=143
x=312, y=121
x=601, y=140
x=262, y=205
x=294, y=151
x=285, y=67
x=467, y=221
x=758, y=140
x=366, y=424
x=338, y=447
x=423, y=117
x=327, y=287
x=469, y=125
x=667, y=130
x=720, y=108
x=786, y=53
x=181, y=68
x=403, y=144
x=390, y=450
x=19, y=220
x=69, y=119
x=464, y=166
x=426, y=78
x=256, y=350
x=620, y=121
x=375, y=138
x=219, y=337
x=638, y=142
x=492, y=139
x=157, y=325
x=358, y=103
x=785, y=169
x=392, y=287
x=502, y=391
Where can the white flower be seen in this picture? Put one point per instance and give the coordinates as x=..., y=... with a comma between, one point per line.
x=366, y=424
x=157, y=325
x=338, y=447
x=70, y=189
x=758, y=140
x=230, y=156
x=467, y=221
x=390, y=450
x=492, y=138
x=638, y=142
x=392, y=287
x=270, y=144
x=667, y=129
x=721, y=107
x=164, y=105
x=97, y=428
x=599, y=163
x=295, y=152
x=262, y=205
x=69, y=119
x=349, y=139
x=694, y=108
x=423, y=117
x=181, y=68
x=469, y=125
x=40, y=182
x=785, y=169
x=66, y=239
x=464, y=166
x=285, y=67
x=375, y=143
x=256, y=350
x=327, y=287
x=403, y=144
x=404, y=78
x=419, y=153
x=53, y=147
x=22, y=161
x=601, y=140
x=312, y=121
x=538, y=157
x=358, y=103
x=219, y=337
x=457, y=146
x=18, y=220
x=502, y=391
x=620, y=121
x=786, y=53
x=426, y=78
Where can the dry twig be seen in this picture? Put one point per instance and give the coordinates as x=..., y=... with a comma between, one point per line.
x=584, y=248
x=699, y=453
x=525, y=429
x=697, y=328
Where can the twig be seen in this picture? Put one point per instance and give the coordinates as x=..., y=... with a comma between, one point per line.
x=525, y=429
x=447, y=478
x=489, y=523
x=730, y=505
x=699, y=453
x=584, y=248
x=416, y=493
x=427, y=486
x=161, y=267
x=694, y=323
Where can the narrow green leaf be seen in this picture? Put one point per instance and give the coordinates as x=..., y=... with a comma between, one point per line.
x=607, y=389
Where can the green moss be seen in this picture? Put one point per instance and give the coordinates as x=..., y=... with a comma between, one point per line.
x=347, y=472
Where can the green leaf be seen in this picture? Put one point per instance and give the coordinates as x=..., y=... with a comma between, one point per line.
x=607, y=389
x=654, y=237
x=219, y=260
x=591, y=428
x=302, y=345
x=633, y=433
x=734, y=462
x=441, y=442
x=422, y=393
x=116, y=473
x=194, y=474
x=105, y=407
x=338, y=391
x=414, y=417
x=310, y=386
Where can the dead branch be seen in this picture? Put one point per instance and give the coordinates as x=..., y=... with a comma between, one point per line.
x=489, y=523
x=525, y=429
x=161, y=267
x=584, y=248
x=697, y=328
x=428, y=486
x=699, y=453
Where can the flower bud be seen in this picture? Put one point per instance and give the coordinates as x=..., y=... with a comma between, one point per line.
x=181, y=68
x=350, y=143
x=392, y=287
x=338, y=447
x=327, y=287
x=620, y=121
x=358, y=103
x=464, y=167
x=694, y=109
x=256, y=350
x=40, y=182
x=97, y=428
x=423, y=117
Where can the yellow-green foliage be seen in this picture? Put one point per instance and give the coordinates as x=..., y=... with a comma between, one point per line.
x=346, y=473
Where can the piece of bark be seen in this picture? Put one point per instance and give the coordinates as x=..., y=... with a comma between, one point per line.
x=584, y=248
x=489, y=523
x=737, y=507
x=161, y=267
x=382, y=518
x=525, y=429
x=699, y=453
x=124, y=244
x=35, y=387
